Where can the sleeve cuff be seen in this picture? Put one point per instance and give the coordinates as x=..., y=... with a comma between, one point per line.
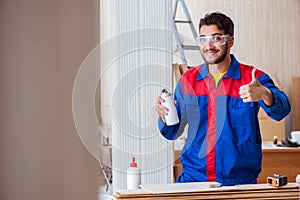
x=161, y=124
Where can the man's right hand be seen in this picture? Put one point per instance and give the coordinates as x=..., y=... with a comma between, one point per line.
x=160, y=109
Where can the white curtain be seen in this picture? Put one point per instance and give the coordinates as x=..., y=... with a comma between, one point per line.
x=141, y=64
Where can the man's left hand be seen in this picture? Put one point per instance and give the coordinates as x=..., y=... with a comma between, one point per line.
x=254, y=91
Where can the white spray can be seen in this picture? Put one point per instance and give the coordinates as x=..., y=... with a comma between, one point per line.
x=133, y=175
x=172, y=117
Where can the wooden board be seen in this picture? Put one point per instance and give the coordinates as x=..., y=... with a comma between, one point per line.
x=253, y=191
x=179, y=187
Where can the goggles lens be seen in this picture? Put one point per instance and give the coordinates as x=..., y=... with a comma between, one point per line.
x=216, y=40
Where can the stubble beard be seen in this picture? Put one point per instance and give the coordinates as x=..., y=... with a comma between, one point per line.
x=219, y=59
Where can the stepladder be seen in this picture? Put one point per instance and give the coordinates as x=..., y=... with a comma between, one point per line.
x=177, y=37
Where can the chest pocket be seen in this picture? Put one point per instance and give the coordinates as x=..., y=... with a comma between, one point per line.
x=191, y=104
x=242, y=114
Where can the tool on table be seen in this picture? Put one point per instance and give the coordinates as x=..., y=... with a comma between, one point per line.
x=277, y=180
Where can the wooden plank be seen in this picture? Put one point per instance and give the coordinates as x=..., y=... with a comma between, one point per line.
x=180, y=187
x=253, y=191
x=281, y=196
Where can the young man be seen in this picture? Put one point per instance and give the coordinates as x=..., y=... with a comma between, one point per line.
x=220, y=100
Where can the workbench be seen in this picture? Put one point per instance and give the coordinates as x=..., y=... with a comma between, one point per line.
x=279, y=160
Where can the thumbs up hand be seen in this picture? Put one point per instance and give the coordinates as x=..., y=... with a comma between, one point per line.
x=254, y=91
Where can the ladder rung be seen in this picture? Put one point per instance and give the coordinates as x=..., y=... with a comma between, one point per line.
x=190, y=47
x=182, y=21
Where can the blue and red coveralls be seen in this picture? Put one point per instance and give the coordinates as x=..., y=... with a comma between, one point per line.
x=223, y=142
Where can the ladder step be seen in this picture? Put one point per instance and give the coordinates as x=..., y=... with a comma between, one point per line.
x=182, y=21
x=190, y=47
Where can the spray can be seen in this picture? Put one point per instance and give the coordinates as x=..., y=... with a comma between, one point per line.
x=133, y=175
x=172, y=117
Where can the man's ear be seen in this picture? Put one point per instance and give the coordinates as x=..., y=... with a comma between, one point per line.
x=231, y=41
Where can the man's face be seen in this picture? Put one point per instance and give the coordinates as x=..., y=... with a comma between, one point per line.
x=213, y=53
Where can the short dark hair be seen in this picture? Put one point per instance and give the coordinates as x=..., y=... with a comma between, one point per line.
x=222, y=21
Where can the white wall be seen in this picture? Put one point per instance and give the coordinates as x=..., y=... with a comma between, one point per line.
x=42, y=46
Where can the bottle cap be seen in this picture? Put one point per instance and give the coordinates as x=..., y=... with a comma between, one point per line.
x=133, y=163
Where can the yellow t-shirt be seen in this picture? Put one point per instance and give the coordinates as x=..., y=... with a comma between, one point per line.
x=217, y=77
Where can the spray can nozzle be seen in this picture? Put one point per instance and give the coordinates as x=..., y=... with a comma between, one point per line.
x=165, y=91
